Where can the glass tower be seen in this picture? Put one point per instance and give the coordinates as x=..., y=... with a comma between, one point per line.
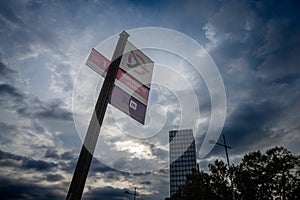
x=182, y=155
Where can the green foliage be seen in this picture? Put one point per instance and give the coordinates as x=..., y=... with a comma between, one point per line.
x=273, y=175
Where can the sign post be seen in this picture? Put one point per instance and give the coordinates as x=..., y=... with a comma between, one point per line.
x=88, y=147
x=131, y=89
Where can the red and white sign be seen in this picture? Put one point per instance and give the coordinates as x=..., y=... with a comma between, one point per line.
x=137, y=64
x=97, y=62
x=133, y=85
x=100, y=64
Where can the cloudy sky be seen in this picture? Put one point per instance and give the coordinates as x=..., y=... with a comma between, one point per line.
x=47, y=93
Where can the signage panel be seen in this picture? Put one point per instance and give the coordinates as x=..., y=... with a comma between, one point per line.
x=137, y=64
x=132, y=85
x=97, y=62
x=128, y=104
x=100, y=64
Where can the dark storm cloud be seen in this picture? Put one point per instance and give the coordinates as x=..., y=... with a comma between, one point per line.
x=249, y=128
x=249, y=123
x=106, y=193
x=10, y=91
x=39, y=165
x=66, y=160
x=15, y=189
x=281, y=65
x=9, y=77
x=67, y=155
x=97, y=166
x=281, y=47
x=5, y=155
x=28, y=34
x=14, y=99
x=4, y=70
x=267, y=36
x=257, y=55
x=118, y=164
x=69, y=165
x=262, y=34
x=45, y=110
x=145, y=183
x=51, y=110
x=156, y=151
x=54, y=177
x=5, y=131
x=8, y=13
x=26, y=163
x=21, y=189
x=52, y=153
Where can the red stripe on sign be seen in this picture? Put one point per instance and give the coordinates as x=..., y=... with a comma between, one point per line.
x=96, y=59
x=100, y=64
x=133, y=84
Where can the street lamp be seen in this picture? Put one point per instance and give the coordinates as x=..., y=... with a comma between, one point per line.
x=134, y=194
x=226, y=151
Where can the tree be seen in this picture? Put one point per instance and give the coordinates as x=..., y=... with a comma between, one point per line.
x=201, y=185
x=198, y=186
x=220, y=177
x=251, y=180
x=273, y=175
x=286, y=166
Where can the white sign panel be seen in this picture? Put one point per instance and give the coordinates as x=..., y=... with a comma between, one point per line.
x=137, y=64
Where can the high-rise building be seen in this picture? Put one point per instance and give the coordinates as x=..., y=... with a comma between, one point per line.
x=182, y=154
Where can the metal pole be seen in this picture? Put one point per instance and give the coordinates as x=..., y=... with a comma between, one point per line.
x=225, y=146
x=134, y=193
x=90, y=141
x=231, y=178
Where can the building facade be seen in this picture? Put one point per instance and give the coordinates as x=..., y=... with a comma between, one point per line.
x=182, y=155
